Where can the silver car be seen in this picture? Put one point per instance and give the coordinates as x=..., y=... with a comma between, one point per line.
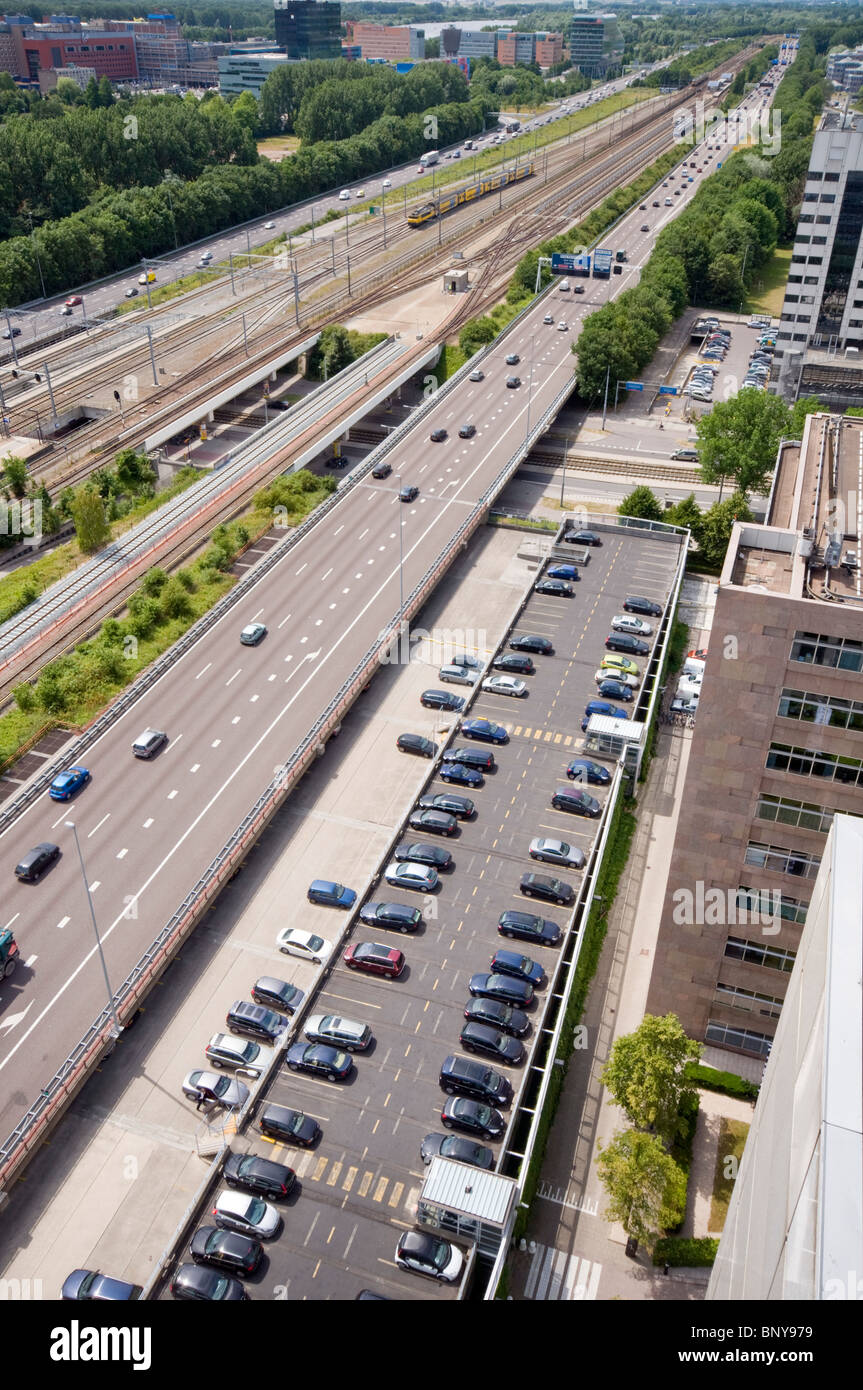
x=557, y=852
x=210, y=1087
x=238, y=1054
x=504, y=685
x=251, y=1216
x=611, y=674
x=626, y=622
x=409, y=875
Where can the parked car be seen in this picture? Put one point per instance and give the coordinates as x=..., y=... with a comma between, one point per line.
x=407, y=875
x=210, y=1088
x=576, y=802
x=601, y=707
x=513, y=663
x=611, y=689
x=440, y=699
x=344, y=1033
x=622, y=642
x=501, y=987
x=484, y=730
x=319, y=1060
x=374, y=959
x=557, y=852
x=84, y=1285
x=419, y=1252
x=206, y=1285
x=519, y=967
x=226, y=1250
x=305, y=944
x=480, y=758
x=555, y=588
x=460, y=1076
x=472, y=1117
x=328, y=894
x=458, y=675
x=491, y=1042
x=420, y=853
x=607, y=673
x=531, y=642
x=551, y=890
x=583, y=770
x=260, y=1175
x=526, y=926
x=461, y=774
x=563, y=572
x=255, y=1021
x=505, y=685
x=397, y=915
x=66, y=784
x=235, y=1054
x=289, y=1126
x=615, y=663
x=238, y=1211
x=433, y=821
x=459, y=806
x=458, y=1149
x=415, y=743
x=277, y=994
x=499, y=1014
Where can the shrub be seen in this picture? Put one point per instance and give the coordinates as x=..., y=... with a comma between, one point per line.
x=24, y=696
x=174, y=600
x=154, y=582
x=143, y=615
x=724, y=1081
x=681, y=1250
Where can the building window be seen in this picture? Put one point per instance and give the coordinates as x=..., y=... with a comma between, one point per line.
x=814, y=649
x=795, y=279
x=823, y=221
x=743, y=1038
x=803, y=318
x=821, y=709
x=814, y=176
x=781, y=861
x=804, y=239
x=787, y=318
x=799, y=337
x=761, y=904
x=819, y=241
x=805, y=815
x=815, y=260
x=737, y=998
x=810, y=197
x=754, y=953
x=810, y=762
x=785, y=337
x=791, y=299
x=830, y=178
x=807, y=299
x=807, y=217
x=827, y=198
x=810, y=279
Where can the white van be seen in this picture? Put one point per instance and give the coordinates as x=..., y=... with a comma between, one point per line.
x=693, y=666
x=689, y=690
x=564, y=286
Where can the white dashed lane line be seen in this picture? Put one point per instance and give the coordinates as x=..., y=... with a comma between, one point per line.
x=98, y=826
x=233, y=677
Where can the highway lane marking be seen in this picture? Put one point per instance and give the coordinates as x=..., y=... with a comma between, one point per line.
x=55, y=823
x=172, y=794
x=329, y=571
x=94, y=886
x=11, y=920
x=336, y=532
x=194, y=767
x=147, y=823
x=63, y=920
x=304, y=566
x=122, y=854
x=96, y=827
x=201, y=672
x=215, y=743
x=253, y=698
x=234, y=676
x=284, y=620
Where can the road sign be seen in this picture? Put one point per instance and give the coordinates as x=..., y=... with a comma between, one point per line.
x=633, y=386
x=668, y=390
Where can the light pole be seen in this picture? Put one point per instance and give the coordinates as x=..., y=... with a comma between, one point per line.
x=398, y=478
x=70, y=825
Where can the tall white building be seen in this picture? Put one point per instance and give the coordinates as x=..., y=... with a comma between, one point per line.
x=794, y=1228
x=823, y=305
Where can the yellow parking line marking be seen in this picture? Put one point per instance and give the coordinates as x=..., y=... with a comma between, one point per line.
x=434, y=986
x=349, y=1179
x=558, y=737
x=409, y=1046
x=331, y=1234
x=320, y=1169
x=334, y=1173
x=397, y=1075
x=375, y=1125
x=396, y=1193
x=416, y=1030
x=567, y=741
x=527, y=733
x=365, y=1183
x=317, y=1267
x=381, y=1188
x=389, y=1096
x=517, y=729
x=549, y=736
x=426, y=1004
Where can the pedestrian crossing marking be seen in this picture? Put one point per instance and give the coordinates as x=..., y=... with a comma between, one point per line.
x=334, y=1174
x=555, y=1275
x=396, y=1193
x=365, y=1183
x=320, y=1169
x=381, y=1188
x=350, y=1178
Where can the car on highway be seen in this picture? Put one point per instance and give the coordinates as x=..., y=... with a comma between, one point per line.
x=602, y=707
x=656, y=203
x=531, y=642
x=407, y=875
x=435, y=821
x=498, y=1014
x=461, y=807
x=460, y=1076
x=513, y=382
x=461, y=775
x=477, y=375
x=512, y=359
x=328, y=894
x=606, y=673
x=36, y=862
x=420, y=853
x=583, y=770
x=251, y=1216
x=579, y=289
x=252, y=634
x=472, y=1117
x=644, y=227
x=206, y=1285
x=382, y=470
x=484, y=730
x=9, y=334
x=643, y=207
x=549, y=318
x=408, y=493
x=438, y=436
x=289, y=1126
x=223, y=1050
x=132, y=293
x=575, y=801
x=513, y=662
x=66, y=311
x=148, y=744
x=386, y=183
x=491, y=1042
x=551, y=890
x=415, y=743
x=563, y=572
x=460, y=1150
x=422, y=1253
x=467, y=431
x=611, y=689
x=344, y=1033
x=66, y=784
x=305, y=944
x=562, y=327
x=505, y=685
x=226, y=1250
x=268, y=226
x=557, y=588
x=551, y=851
x=628, y=622
x=345, y=195
x=319, y=1060
x=85, y=1285
x=262, y=1176
x=72, y=300
x=277, y=994
x=396, y=915
x=518, y=967
x=210, y=1088
x=485, y=985
x=255, y=1021
x=622, y=642
x=374, y=959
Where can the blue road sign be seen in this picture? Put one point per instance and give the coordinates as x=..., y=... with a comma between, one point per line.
x=633, y=386
x=668, y=390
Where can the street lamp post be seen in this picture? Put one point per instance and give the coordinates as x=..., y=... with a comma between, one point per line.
x=70, y=825
x=398, y=478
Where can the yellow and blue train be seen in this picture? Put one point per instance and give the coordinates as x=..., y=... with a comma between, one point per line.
x=491, y=183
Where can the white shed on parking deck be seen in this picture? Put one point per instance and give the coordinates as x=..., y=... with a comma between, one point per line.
x=468, y=1203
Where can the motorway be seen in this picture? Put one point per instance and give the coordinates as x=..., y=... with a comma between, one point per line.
x=233, y=714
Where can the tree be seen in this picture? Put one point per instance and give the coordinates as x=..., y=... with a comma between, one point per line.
x=15, y=475
x=432, y=48
x=476, y=334
x=645, y=1074
x=88, y=514
x=646, y=1189
x=803, y=406
x=643, y=503
x=740, y=437
x=716, y=525
x=686, y=513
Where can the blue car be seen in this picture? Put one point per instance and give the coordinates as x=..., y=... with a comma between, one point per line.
x=460, y=774
x=601, y=707
x=583, y=770
x=67, y=783
x=519, y=967
x=562, y=572
x=614, y=690
x=485, y=731
x=331, y=894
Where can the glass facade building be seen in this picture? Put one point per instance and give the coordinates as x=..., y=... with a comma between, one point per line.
x=309, y=28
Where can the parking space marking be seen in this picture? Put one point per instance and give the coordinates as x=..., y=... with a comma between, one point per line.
x=396, y=1193
x=383, y=1184
x=320, y=1169
x=365, y=1183
x=333, y=1176
x=350, y=1179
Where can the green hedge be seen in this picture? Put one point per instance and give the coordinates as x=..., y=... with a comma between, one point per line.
x=679, y=1250
x=681, y=1149
x=724, y=1081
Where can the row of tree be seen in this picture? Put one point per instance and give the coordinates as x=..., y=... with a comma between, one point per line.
x=367, y=93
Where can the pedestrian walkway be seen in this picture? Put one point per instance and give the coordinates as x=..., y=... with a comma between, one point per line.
x=713, y=1108
x=555, y=1275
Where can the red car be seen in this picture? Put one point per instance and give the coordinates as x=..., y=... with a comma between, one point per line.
x=73, y=300
x=374, y=959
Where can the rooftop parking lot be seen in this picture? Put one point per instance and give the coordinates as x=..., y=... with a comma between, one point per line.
x=359, y=1183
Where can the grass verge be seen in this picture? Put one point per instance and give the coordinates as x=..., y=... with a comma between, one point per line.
x=732, y=1138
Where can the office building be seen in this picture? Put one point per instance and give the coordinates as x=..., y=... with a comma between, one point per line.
x=823, y=305
x=247, y=72
x=48, y=77
x=477, y=44
x=515, y=48
x=793, y=1229
x=845, y=68
x=393, y=43
x=549, y=50
x=777, y=749
x=309, y=28
x=109, y=53
x=586, y=40
x=450, y=38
